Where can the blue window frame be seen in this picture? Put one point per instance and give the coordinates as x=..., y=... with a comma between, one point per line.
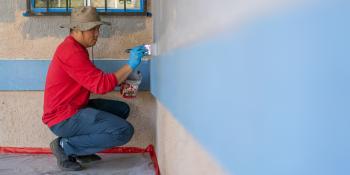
x=64, y=7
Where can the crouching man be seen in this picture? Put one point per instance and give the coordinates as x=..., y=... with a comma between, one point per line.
x=84, y=126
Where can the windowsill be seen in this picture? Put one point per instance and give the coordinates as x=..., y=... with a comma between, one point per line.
x=30, y=13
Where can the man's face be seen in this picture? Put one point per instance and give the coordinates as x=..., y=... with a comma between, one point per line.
x=90, y=37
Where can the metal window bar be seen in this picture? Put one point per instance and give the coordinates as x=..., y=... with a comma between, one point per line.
x=47, y=5
x=31, y=9
x=67, y=6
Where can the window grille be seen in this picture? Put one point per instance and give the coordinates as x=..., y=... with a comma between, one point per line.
x=103, y=7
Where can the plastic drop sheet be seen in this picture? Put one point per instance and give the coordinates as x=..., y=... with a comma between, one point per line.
x=46, y=164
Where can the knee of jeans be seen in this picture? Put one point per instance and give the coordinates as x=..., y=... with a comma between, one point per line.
x=124, y=135
x=129, y=132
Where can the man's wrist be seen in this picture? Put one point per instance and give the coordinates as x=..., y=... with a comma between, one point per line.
x=131, y=67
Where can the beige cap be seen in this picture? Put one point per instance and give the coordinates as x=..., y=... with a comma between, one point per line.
x=84, y=18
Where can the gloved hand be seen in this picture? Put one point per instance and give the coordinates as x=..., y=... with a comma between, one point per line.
x=136, y=54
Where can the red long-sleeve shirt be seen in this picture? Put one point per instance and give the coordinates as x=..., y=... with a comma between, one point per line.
x=70, y=79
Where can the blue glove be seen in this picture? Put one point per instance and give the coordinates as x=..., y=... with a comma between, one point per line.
x=136, y=54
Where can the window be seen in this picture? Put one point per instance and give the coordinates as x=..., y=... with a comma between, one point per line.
x=64, y=7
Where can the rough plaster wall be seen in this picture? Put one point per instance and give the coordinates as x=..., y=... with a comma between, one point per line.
x=20, y=119
x=37, y=37
x=181, y=22
x=21, y=125
x=178, y=152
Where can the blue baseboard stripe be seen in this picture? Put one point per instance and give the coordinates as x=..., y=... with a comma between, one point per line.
x=30, y=74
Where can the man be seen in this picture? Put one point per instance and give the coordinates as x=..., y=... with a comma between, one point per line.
x=84, y=126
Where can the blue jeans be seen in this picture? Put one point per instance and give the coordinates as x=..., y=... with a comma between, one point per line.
x=100, y=125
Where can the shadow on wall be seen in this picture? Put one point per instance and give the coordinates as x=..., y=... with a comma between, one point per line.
x=44, y=26
x=278, y=98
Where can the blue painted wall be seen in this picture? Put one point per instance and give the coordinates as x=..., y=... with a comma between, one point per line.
x=31, y=74
x=272, y=98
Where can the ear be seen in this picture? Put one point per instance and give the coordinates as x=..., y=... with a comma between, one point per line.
x=75, y=31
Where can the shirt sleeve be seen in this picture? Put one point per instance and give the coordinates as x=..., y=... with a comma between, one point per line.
x=79, y=67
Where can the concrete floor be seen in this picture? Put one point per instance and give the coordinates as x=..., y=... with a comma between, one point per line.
x=116, y=164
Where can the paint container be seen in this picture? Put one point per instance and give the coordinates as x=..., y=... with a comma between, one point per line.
x=129, y=88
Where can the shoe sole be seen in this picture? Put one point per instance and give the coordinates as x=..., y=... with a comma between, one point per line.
x=85, y=160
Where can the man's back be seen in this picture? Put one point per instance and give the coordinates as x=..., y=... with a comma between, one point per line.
x=70, y=78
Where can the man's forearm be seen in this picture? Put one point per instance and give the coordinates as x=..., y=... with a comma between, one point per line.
x=123, y=73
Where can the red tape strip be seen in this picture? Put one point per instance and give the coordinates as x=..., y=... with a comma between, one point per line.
x=30, y=150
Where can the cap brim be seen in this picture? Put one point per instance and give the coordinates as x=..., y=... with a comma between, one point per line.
x=84, y=26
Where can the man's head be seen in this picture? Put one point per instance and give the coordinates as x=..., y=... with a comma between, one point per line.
x=86, y=38
x=84, y=25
